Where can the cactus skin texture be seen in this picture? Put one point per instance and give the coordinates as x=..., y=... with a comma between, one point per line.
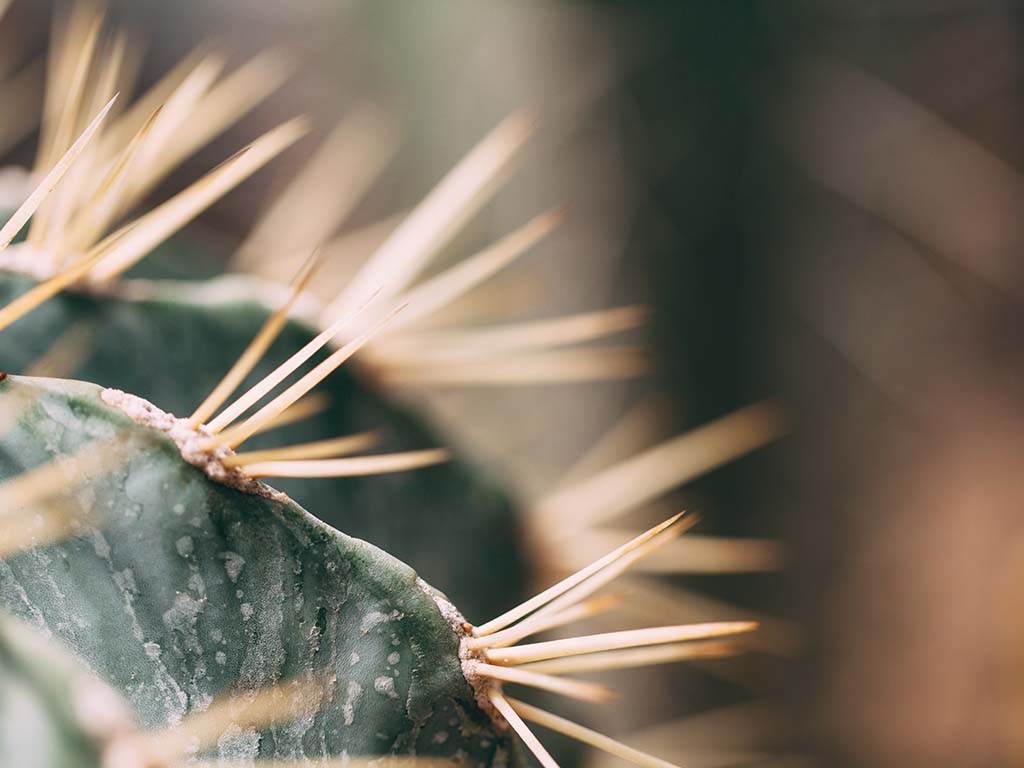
x=178, y=588
x=173, y=347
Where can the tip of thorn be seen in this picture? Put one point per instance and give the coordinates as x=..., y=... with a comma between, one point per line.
x=522, y=123
x=557, y=215
x=639, y=312
x=302, y=124
x=233, y=157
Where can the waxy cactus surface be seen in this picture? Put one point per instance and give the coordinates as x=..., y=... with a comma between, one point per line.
x=178, y=588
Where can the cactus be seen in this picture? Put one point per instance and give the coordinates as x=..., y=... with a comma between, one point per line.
x=180, y=580
x=152, y=548
x=114, y=340
x=187, y=587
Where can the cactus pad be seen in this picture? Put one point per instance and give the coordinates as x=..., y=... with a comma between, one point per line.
x=178, y=588
x=170, y=345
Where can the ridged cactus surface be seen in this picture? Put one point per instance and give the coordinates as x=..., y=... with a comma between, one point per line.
x=174, y=344
x=177, y=588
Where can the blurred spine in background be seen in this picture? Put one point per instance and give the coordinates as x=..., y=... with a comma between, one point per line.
x=890, y=214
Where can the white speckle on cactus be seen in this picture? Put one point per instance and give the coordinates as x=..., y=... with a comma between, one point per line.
x=385, y=686
x=394, y=657
x=233, y=564
x=152, y=650
x=246, y=611
x=125, y=581
x=196, y=584
x=353, y=659
x=100, y=544
x=184, y=546
x=221, y=658
x=371, y=620
x=352, y=695
x=182, y=616
x=178, y=509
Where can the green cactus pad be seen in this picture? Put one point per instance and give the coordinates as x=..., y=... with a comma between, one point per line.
x=179, y=588
x=173, y=346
